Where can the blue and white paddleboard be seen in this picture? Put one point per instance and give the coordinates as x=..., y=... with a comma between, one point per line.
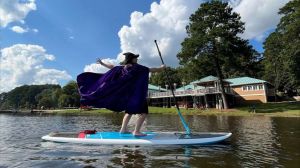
x=152, y=138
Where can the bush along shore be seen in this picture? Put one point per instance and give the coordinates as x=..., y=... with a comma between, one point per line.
x=287, y=109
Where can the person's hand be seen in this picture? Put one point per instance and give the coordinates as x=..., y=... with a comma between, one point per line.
x=99, y=61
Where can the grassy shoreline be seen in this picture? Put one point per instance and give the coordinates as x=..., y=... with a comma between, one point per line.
x=288, y=109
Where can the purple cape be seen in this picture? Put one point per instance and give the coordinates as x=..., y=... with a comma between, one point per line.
x=118, y=89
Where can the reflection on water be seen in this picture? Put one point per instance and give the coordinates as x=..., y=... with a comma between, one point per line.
x=257, y=138
x=256, y=142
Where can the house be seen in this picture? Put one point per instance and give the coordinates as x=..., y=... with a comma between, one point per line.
x=251, y=90
x=153, y=89
x=206, y=92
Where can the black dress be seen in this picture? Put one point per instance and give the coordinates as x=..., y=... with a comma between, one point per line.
x=144, y=109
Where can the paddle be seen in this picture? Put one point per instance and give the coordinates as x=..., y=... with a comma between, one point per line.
x=186, y=127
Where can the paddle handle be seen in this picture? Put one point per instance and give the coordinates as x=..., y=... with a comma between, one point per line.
x=159, y=53
x=186, y=127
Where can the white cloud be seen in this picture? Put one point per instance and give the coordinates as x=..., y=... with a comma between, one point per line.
x=167, y=20
x=15, y=11
x=23, y=64
x=260, y=16
x=19, y=29
x=22, y=21
x=97, y=68
x=69, y=32
x=35, y=30
x=51, y=76
x=165, y=23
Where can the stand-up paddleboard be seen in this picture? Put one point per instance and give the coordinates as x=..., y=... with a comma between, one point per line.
x=152, y=138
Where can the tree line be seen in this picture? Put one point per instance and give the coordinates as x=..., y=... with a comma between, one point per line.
x=41, y=96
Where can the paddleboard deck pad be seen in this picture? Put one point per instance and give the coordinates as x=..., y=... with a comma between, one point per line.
x=152, y=138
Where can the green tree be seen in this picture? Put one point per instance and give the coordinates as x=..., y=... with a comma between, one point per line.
x=189, y=72
x=282, y=50
x=213, y=46
x=160, y=78
x=273, y=61
x=55, y=96
x=24, y=96
x=64, y=100
x=3, y=101
x=45, y=102
x=70, y=95
x=49, y=97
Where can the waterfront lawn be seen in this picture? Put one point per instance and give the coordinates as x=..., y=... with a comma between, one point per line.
x=288, y=109
x=273, y=107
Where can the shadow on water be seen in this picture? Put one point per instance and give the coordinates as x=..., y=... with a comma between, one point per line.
x=168, y=156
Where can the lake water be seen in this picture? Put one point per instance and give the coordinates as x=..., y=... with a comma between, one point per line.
x=256, y=142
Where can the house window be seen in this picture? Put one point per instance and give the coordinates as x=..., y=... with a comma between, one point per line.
x=249, y=87
x=244, y=88
x=260, y=87
x=255, y=87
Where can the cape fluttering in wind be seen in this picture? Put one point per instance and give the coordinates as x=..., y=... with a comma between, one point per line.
x=118, y=89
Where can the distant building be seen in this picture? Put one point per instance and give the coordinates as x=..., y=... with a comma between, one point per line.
x=248, y=90
x=154, y=89
x=205, y=92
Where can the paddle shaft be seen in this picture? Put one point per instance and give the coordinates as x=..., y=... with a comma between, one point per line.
x=186, y=127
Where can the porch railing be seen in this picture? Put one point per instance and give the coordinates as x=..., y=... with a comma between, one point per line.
x=196, y=92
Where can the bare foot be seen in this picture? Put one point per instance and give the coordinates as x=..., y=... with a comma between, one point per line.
x=138, y=134
x=125, y=132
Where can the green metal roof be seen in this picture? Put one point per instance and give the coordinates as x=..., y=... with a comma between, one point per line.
x=189, y=86
x=233, y=81
x=244, y=81
x=209, y=78
x=206, y=79
x=156, y=88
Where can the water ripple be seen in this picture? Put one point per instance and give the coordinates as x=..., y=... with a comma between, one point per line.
x=256, y=142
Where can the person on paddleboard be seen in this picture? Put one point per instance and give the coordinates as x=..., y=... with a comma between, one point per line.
x=122, y=88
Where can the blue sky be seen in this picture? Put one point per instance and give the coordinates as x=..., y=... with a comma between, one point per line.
x=52, y=41
x=75, y=31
